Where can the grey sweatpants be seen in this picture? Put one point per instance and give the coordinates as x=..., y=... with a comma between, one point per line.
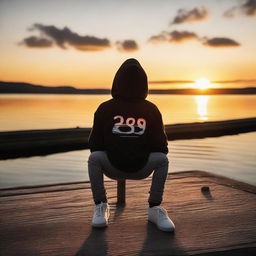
x=99, y=164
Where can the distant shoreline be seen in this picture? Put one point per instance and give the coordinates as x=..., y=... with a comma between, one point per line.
x=26, y=88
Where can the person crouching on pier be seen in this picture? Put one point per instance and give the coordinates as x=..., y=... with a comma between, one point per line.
x=128, y=141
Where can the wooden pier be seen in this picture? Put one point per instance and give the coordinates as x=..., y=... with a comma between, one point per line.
x=56, y=219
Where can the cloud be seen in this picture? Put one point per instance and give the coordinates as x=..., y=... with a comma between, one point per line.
x=127, y=46
x=65, y=36
x=220, y=42
x=37, y=42
x=247, y=8
x=174, y=36
x=230, y=13
x=162, y=37
x=181, y=36
x=196, y=14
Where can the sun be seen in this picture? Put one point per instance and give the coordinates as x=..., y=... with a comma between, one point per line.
x=203, y=83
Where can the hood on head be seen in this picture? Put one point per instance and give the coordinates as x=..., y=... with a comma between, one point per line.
x=130, y=81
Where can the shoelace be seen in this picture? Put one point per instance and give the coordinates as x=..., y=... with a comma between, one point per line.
x=99, y=210
x=162, y=212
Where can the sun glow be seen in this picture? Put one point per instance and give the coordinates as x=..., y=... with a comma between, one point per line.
x=202, y=84
x=201, y=102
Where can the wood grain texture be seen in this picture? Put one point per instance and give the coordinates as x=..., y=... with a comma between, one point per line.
x=56, y=219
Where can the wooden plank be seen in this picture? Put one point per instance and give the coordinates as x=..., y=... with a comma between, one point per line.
x=121, y=192
x=42, y=142
x=220, y=222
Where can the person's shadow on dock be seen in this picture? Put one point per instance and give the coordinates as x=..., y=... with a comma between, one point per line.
x=160, y=243
x=95, y=244
x=156, y=242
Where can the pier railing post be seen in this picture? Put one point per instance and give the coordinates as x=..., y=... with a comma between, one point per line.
x=121, y=192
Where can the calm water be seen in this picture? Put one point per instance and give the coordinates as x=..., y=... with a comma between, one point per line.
x=60, y=111
x=231, y=156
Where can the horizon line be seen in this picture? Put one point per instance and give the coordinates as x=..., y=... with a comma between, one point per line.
x=83, y=90
x=149, y=82
x=192, y=81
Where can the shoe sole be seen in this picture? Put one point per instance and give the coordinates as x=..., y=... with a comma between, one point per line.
x=163, y=229
x=103, y=225
x=99, y=225
x=166, y=230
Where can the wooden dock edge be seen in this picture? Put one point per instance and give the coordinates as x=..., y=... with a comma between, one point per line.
x=58, y=187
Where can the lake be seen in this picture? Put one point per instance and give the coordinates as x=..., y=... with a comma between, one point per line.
x=231, y=156
x=44, y=111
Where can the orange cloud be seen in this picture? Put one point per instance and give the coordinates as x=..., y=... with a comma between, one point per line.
x=174, y=36
x=196, y=14
x=220, y=42
x=37, y=42
x=65, y=36
x=247, y=8
x=127, y=46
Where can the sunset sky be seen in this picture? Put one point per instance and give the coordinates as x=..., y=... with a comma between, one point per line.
x=82, y=43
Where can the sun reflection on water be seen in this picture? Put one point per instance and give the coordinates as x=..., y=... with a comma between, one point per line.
x=201, y=102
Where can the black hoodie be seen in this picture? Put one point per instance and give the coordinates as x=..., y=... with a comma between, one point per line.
x=128, y=127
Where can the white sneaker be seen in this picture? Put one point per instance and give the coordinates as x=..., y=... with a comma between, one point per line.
x=159, y=216
x=101, y=215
